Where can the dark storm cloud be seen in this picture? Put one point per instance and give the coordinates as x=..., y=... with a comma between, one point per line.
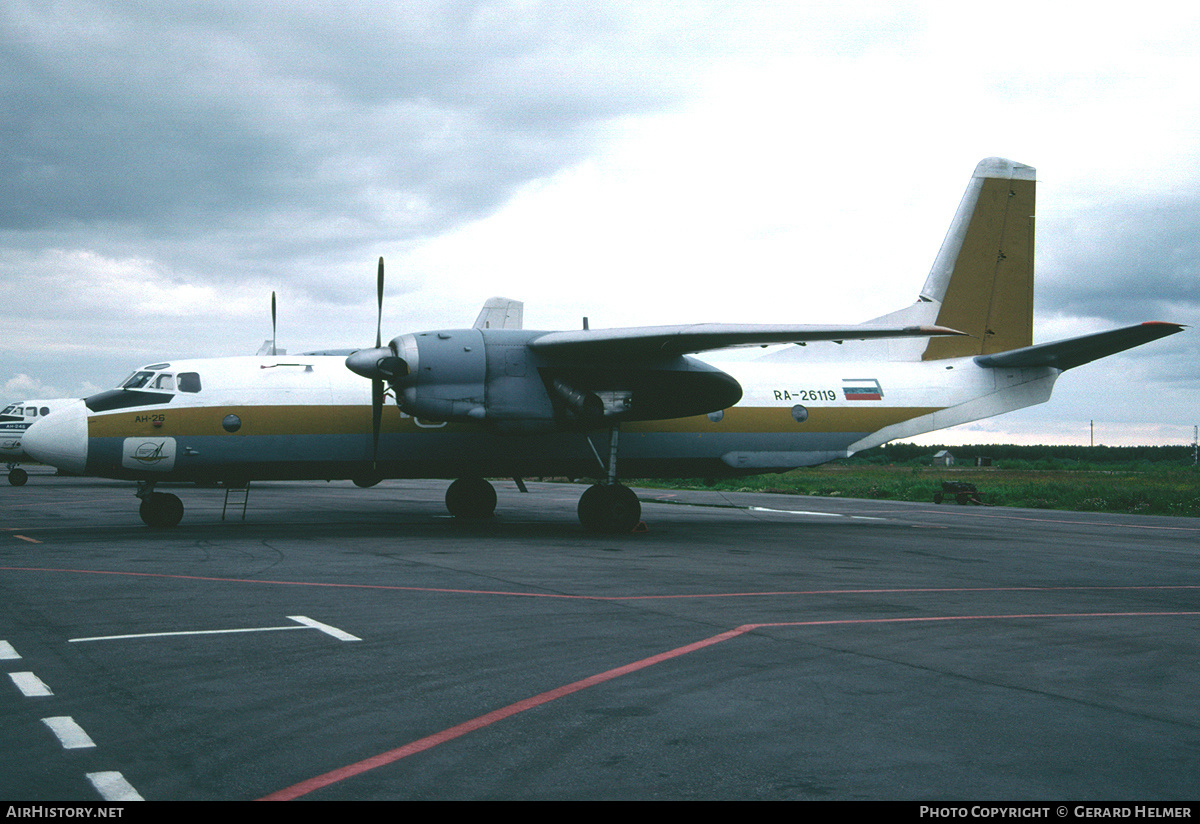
x=1119, y=263
x=175, y=117
x=1127, y=262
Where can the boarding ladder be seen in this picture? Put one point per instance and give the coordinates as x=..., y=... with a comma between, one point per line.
x=235, y=495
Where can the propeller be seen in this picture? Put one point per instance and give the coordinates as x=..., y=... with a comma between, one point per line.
x=379, y=364
x=274, y=337
x=377, y=382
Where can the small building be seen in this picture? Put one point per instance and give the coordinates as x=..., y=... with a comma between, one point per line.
x=943, y=458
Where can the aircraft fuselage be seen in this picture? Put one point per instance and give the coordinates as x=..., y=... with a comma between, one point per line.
x=308, y=417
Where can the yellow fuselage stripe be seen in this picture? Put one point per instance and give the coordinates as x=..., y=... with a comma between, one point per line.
x=264, y=420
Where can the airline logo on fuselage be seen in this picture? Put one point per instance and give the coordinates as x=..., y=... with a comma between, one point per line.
x=862, y=389
x=155, y=454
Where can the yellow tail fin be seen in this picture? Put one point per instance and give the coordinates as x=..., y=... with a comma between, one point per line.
x=983, y=275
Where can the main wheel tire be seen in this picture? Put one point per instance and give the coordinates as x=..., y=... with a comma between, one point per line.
x=17, y=476
x=608, y=509
x=471, y=498
x=161, y=510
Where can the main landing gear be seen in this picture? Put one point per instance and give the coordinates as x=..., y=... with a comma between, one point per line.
x=159, y=510
x=472, y=498
x=607, y=508
x=16, y=475
x=610, y=507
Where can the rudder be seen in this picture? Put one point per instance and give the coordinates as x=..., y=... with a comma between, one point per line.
x=983, y=274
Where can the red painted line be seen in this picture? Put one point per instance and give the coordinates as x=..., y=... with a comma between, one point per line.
x=936, y=618
x=269, y=582
x=431, y=741
x=562, y=596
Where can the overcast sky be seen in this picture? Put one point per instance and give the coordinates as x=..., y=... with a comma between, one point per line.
x=167, y=165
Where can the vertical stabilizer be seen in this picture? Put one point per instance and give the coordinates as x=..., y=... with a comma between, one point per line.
x=500, y=313
x=982, y=279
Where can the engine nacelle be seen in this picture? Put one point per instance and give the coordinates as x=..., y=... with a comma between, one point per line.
x=492, y=377
x=447, y=373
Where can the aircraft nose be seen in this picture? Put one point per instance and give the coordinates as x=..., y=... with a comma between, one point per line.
x=60, y=439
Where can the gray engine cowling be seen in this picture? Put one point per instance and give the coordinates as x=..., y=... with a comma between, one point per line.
x=492, y=377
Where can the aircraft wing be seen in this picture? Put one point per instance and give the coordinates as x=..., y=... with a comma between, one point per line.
x=1072, y=352
x=669, y=341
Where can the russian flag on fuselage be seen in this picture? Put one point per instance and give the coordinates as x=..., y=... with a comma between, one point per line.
x=862, y=389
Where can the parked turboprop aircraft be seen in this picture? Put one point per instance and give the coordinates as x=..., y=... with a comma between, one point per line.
x=14, y=420
x=498, y=400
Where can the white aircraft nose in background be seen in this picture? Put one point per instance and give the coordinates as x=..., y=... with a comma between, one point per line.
x=60, y=439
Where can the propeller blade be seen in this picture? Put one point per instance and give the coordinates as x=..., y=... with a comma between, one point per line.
x=380, y=365
x=274, y=337
x=376, y=418
x=377, y=381
x=379, y=317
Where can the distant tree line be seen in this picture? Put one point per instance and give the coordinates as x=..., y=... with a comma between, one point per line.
x=904, y=453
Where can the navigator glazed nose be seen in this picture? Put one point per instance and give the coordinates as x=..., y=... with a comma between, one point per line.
x=60, y=439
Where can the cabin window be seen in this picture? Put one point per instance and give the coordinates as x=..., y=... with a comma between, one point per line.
x=189, y=381
x=45, y=410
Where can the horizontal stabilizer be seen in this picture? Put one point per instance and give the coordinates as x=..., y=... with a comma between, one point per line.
x=670, y=341
x=1066, y=354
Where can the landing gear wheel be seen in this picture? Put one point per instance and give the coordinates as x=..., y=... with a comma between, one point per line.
x=609, y=508
x=17, y=476
x=161, y=510
x=366, y=481
x=471, y=498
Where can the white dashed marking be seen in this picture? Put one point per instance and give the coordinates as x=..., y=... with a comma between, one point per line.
x=70, y=734
x=112, y=786
x=29, y=684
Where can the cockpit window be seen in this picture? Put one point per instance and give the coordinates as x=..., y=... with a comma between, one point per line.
x=150, y=380
x=137, y=380
x=11, y=409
